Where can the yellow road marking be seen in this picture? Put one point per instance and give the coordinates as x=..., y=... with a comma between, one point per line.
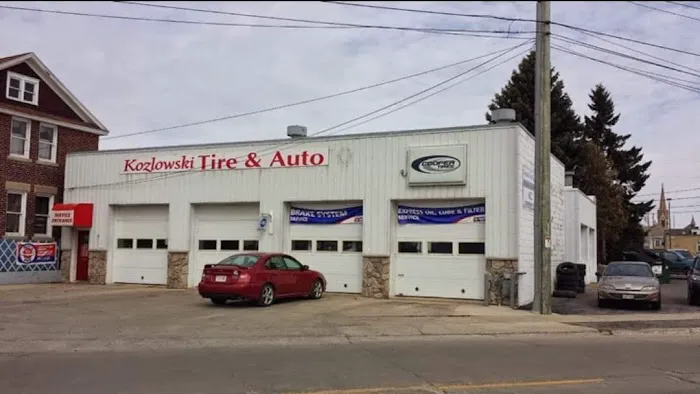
x=501, y=385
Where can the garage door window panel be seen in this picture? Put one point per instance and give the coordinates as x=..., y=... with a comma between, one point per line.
x=472, y=248
x=125, y=243
x=227, y=244
x=207, y=244
x=161, y=244
x=326, y=246
x=440, y=248
x=352, y=246
x=410, y=247
x=144, y=243
x=301, y=245
x=250, y=245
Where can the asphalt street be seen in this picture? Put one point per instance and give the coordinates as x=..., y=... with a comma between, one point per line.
x=528, y=364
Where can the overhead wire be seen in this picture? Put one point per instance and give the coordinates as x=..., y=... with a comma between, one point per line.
x=684, y=5
x=308, y=101
x=324, y=131
x=664, y=11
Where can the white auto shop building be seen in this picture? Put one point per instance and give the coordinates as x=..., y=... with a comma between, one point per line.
x=412, y=213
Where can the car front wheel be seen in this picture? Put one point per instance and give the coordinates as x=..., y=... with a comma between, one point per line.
x=656, y=305
x=316, y=290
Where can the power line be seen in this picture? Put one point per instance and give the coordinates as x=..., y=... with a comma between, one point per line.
x=643, y=73
x=577, y=28
x=436, y=92
x=664, y=11
x=616, y=53
x=672, y=191
x=325, y=23
x=684, y=5
x=294, y=104
x=296, y=142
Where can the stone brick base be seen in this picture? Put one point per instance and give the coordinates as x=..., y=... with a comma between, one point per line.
x=65, y=265
x=499, y=269
x=178, y=270
x=375, y=276
x=97, y=267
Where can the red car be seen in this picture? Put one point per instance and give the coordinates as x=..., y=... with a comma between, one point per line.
x=260, y=277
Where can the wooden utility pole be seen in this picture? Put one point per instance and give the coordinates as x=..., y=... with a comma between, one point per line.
x=543, y=105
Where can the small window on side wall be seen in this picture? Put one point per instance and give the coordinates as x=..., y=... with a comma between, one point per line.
x=301, y=245
x=472, y=248
x=410, y=247
x=125, y=243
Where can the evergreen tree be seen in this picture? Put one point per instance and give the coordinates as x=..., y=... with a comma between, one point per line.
x=627, y=163
x=519, y=94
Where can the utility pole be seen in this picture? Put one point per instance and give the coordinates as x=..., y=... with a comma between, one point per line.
x=543, y=105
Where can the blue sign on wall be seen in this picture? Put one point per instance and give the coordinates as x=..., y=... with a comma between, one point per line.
x=325, y=216
x=464, y=214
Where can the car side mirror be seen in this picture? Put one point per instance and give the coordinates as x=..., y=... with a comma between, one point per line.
x=304, y=267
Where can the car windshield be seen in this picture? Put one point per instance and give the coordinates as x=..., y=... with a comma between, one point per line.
x=641, y=270
x=684, y=254
x=240, y=260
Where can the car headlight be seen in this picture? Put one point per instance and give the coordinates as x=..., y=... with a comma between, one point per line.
x=607, y=287
x=649, y=288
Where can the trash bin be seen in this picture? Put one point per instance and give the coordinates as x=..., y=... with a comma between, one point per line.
x=567, y=277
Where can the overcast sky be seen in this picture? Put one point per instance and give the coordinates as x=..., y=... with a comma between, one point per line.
x=137, y=76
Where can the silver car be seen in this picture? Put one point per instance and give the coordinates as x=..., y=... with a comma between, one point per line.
x=629, y=281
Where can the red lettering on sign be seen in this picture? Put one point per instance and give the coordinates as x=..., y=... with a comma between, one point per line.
x=278, y=159
x=317, y=159
x=231, y=163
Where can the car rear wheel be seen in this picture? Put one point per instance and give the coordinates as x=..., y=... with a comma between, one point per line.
x=316, y=290
x=267, y=295
x=218, y=301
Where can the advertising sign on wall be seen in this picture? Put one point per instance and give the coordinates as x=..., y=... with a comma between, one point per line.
x=437, y=165
x=325, y=216
x=241, y=160
x=528, y=189
x=36, y=252
x=463, y=214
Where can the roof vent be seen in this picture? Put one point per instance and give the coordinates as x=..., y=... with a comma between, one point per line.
x=503, y=115
x=296, y=131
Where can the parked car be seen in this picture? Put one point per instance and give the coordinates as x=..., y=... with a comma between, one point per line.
x=260, y=277
x=656, y=263
x=694, y=283
x=684, y=253
x=677, y=263
x=632, y=281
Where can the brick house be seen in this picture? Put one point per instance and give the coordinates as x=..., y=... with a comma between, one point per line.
x=42, y=122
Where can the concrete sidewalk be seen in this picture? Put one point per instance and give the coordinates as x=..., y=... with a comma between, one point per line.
x=84, y=317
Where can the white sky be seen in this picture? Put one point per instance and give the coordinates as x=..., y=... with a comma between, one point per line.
x=137, y=76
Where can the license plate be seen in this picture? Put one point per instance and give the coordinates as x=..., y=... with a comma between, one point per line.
x=627, y=297
x=220, y=278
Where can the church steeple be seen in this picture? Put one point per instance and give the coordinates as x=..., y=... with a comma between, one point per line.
x=662, y=213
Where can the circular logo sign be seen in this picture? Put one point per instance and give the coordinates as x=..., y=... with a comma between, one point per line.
x=436, y=164
x=27, y=253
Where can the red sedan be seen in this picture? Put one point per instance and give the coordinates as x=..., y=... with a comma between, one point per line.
x=260, y=277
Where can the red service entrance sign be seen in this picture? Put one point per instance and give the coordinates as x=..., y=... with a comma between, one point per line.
x=77, y=215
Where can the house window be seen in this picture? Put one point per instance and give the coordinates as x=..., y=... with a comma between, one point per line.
x=42, y=211
x=22, y=88
x=19, y=140
x=48, y=138
x=16, y=209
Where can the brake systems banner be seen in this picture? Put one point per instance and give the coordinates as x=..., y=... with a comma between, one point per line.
x=36, y=252
x=325, y=216
x=463, y=214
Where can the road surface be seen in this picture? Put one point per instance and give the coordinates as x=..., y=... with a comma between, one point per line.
x=543, y=365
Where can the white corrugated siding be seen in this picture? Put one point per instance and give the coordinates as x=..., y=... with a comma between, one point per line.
x=365, y=168
x=526, y=217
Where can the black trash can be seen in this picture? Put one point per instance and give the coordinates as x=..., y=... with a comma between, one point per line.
x=567, y=277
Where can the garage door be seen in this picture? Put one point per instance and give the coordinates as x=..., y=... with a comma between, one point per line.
x=141, y=238
x=328, y=238
x=439, y=250
x=221, y=230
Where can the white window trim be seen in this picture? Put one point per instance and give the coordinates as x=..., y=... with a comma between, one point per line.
x=54, y=143
x=23, y=79
x=27, y=141
x=49, y=228
x=23, y=215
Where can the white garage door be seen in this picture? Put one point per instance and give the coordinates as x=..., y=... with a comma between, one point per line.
x=439, y=250
x=328, y=238
x=141, y=253
x=221, y=230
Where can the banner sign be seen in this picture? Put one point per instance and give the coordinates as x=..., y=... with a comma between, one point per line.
x=464, y=214
x=226, y=162
x=325, y=216
x=528, y=189
x=36, y=252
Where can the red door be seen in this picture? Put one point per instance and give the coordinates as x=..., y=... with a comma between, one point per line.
x=81, y=270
